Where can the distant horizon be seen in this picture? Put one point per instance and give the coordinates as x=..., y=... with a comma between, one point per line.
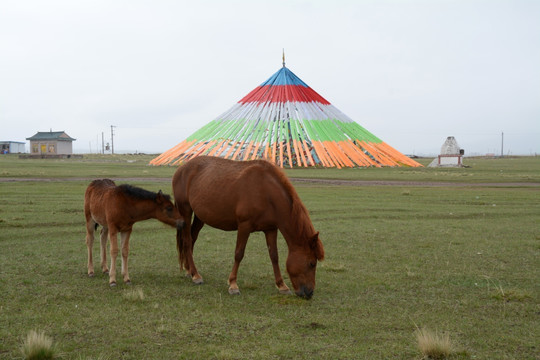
x=423, y=155
x=97, y=144
x=80, y=151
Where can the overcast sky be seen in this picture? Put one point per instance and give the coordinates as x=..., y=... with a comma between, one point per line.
x=410, y=72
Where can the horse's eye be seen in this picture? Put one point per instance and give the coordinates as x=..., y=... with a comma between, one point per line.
x=169, y=208
x=312, y=264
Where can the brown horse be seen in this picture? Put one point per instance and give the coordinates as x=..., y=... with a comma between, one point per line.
x=116, y=209
x=247, y=197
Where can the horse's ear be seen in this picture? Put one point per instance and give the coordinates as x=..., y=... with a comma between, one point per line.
x=317, y=246
x=159, y=197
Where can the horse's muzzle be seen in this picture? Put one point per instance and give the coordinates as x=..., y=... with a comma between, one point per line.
x=305, y=292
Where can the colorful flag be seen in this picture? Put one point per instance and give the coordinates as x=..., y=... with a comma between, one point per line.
x=286, y=122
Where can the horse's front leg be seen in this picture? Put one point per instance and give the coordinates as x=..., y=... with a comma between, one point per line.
x=125, y=251
x=103, y=249
x=113, y=234
x=271, y=243
x=241, y=241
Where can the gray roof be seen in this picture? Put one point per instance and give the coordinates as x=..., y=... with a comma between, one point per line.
x=51, y=135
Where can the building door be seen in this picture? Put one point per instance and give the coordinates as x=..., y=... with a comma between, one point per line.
x=43, y=149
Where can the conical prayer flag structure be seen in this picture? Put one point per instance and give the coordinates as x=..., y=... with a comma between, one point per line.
x=286, y=122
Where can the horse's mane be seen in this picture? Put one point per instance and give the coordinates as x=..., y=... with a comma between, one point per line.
x=101, y=182
x=138, y=193
x=299, y=213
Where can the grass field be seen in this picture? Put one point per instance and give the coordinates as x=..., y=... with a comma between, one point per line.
x=458, y=260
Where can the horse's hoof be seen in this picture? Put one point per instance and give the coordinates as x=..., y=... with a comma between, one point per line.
x=91, y=274
x=198, y=281
x=234, y=291
x=106, y=272
x=285, y=292
x=128, y=282
x=113, y=284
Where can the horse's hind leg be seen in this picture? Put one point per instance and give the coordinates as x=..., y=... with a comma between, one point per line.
x=103, y=249
x=190, y=263
x=90, y=228
x=125, y=252
x=271, y=243
x=184, y=245
x=196, y=227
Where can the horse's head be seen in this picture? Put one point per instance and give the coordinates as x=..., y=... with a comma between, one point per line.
x=167, y=212
x=302, y=265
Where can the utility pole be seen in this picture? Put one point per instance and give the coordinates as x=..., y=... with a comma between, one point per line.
x=112, y=139
x=102, y=143
x=502, y=144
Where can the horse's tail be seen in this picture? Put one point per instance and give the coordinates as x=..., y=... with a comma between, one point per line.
x=182, y=250
x=182, y=258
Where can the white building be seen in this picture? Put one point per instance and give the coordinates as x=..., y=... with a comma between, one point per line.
x=451, y=155
x=12, y=147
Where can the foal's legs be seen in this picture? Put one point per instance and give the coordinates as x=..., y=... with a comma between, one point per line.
x=103, y=249
x=125, y=251
x=90, y=228
x=113, y=234
x=241, y=241
x=271, y=242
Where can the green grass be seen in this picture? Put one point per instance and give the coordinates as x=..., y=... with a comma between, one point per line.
x=509, y=169
x=94, y=166
x=461, y=260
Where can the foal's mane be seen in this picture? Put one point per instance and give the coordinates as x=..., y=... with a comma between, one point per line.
x=299, y=213
x=138, y=193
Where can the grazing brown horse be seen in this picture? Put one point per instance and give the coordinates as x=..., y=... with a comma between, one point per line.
x=116, y=209
x=247, y=197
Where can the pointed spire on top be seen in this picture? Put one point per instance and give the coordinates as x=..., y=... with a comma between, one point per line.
x=283, y=57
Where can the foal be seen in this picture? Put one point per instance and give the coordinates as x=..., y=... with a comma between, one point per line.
x=116, y=209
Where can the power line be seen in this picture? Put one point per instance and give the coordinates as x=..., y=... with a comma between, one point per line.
x=112, y=139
